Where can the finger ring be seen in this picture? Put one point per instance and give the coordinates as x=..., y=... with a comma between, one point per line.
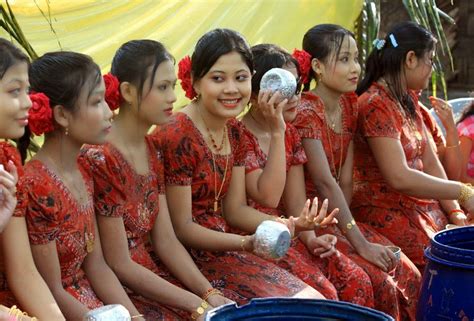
x=316, y=224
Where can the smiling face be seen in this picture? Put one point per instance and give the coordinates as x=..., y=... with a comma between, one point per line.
x=225, y=89
x=341, y=73
x=14, y=101
x=157, y=102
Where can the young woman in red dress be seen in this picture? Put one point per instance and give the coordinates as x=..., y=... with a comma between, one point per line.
x=398, y=177
x=20, y=282
x=69, y=107
x=129, y=187
x=274, y=172
x=202, y=149
x=326, y=121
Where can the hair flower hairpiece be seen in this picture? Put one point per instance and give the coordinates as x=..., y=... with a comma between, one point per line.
x=393, y=40
x=304, y=62
x=40, y=115
x=184, y=74
x=379, y=43
x=112, y=91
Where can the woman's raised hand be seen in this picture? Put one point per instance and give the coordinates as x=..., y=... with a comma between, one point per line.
x=271, y=106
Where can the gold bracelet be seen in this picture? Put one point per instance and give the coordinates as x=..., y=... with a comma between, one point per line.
x=242, y=244
x=18, y=314
x=200, y=310
x=210, y=292
x=349, y=226
x=465, y=193
x=137, y=316
x=452, y=146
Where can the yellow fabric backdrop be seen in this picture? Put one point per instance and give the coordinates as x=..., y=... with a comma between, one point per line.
x=98, y=28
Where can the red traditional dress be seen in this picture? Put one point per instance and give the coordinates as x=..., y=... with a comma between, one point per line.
x=119, y=191
x=407, y=221
x=53, y=214
x=432, y=127
x=396, y=296
x=335, y=277
x=188, y=162
x=7, y=153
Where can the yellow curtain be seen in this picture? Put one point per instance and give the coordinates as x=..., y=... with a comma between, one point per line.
x=98, y=28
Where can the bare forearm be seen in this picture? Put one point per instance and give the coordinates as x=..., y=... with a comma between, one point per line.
x=34, y=296
x=332, y=192
x=198, y=237
x=245, y=218
x=71, y=307
x=271, y=182
x=148, y=284
x=182, y=266
x=108, y=288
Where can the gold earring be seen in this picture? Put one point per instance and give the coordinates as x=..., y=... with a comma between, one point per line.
x=66, y=132
x=198, y=96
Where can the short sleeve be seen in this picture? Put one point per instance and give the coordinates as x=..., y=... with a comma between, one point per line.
x=307, y=121
x=298, y=156
x=466, y=127
x=377, y=118
x=251, y=150
x=109, y=183
x=180, y=155
x=42, y=211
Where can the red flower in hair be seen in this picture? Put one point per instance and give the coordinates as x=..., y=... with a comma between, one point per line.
x=304, y=60
x=40, y=115
x=184, y=74
x=112, y=91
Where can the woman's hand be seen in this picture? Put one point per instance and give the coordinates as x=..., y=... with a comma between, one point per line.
x=323, y=246
x=310, y=219
x=379, y=255
x=444, y=111
x=217, y=300
x=8, y=180
x=271, y=106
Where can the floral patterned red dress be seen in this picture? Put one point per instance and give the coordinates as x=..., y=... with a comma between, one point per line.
x=396, y=296
x=119, y=191
x=53, y=214
x=336, y=277
x=188, y=162
x=10, y=153
x=407, y=221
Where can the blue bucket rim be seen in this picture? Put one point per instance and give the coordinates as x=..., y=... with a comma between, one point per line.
x=349, y=307
x=431, y=256
x=458, y=230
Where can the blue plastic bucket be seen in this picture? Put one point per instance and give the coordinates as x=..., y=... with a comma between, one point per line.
x=447, y=291
x=295, y=309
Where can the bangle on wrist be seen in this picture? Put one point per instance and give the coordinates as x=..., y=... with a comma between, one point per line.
x=349, y=226
x=456, y=210
x=242, y=244
x=137, y=316
x=465, y=193
x=452, y=146
x=210, y=292
x=200, y=310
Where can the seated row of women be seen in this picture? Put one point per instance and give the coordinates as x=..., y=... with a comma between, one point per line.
x=163, y=223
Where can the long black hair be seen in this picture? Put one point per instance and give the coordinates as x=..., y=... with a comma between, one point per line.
x=321, y=41
x=388, y=61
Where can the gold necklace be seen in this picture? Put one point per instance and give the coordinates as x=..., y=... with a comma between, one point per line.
x=332, y=120
x=219, y=148
x=88, y=235
x=218, y=194
x=333, y=161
